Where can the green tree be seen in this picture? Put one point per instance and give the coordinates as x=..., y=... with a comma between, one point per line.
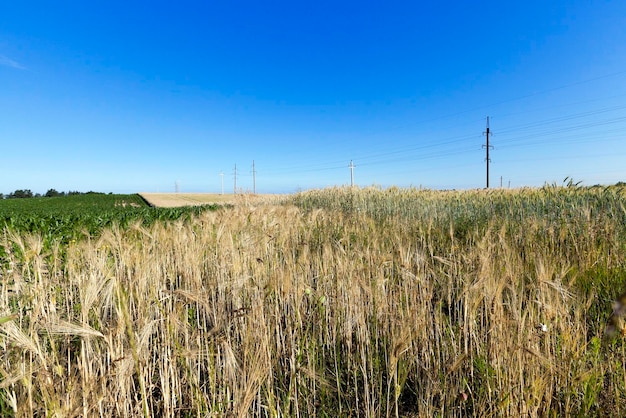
x=21, y=194
x=53, y=193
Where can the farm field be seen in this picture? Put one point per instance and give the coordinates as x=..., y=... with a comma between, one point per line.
x=336, y=302
x=171, y=200
x=61, y=219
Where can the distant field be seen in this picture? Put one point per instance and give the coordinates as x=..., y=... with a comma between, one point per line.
x=74, y=217
x=172, y=200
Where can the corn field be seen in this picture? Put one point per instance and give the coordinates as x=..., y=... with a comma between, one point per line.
x=337, y=302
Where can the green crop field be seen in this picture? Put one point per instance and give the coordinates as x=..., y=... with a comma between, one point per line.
x=71, y=217
x=336, y=302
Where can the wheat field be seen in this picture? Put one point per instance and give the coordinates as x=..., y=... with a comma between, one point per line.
x=338, y=302
x=173, y=200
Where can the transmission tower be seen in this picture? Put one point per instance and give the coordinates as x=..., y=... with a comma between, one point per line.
x=222, y=178
x=235, y=177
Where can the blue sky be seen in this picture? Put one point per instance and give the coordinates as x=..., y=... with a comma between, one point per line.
x=143, y=95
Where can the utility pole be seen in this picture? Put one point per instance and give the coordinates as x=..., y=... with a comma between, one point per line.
x=351, y=166
x=235, y=176
x=253, y=178
x=222, y=178
x=487, y=147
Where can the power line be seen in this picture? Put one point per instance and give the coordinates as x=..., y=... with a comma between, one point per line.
x=514, y=99
x=376, y=158
x=526, y=134
x=565, y=129
x=531, y=125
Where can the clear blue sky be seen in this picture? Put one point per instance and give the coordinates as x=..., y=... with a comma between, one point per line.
x=135, y=96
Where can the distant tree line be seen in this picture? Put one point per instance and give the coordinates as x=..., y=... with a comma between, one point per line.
x=27, y=193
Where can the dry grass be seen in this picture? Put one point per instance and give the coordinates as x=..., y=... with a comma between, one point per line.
x=280, y=311
x=171, y=200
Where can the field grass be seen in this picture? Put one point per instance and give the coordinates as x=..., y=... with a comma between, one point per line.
x=337, y=302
